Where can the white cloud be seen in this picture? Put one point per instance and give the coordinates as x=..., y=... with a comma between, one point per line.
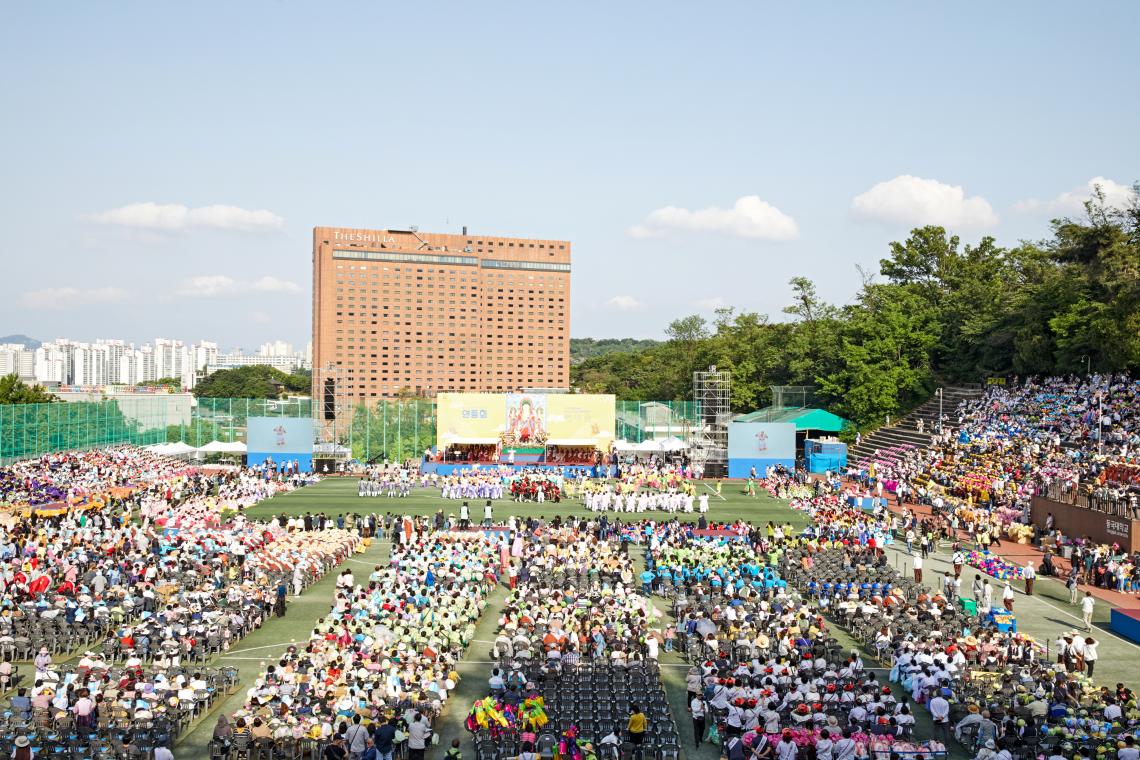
x=749, y=217
x=175, y=216
x=212, y=286
x=908, y=200
x=260, y=317
x=68, y=297
x=1073, y=201
x=273, y=285
x=641, y=232
x=709, y=304
x=625, y=303
x=208, y=286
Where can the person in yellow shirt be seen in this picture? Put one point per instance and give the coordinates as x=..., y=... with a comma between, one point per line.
x=636, y=724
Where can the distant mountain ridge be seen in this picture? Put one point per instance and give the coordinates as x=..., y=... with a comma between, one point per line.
x=18, y=338
x=582, y=349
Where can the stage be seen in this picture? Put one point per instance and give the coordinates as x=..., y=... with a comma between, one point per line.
x=450, y=468
x=1126, y=622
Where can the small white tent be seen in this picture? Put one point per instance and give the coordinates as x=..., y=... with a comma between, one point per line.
x=175, y=449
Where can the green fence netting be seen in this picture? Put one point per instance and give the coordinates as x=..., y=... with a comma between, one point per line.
x=393, y=429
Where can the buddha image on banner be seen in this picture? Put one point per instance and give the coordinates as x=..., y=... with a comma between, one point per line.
x=526, y=417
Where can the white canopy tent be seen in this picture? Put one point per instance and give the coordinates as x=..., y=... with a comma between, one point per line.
x=470, y=441
x=179, y=448
x=623, y=445
x=217, y=447
x=572, y=442
x=648, y=447
x=673, y=443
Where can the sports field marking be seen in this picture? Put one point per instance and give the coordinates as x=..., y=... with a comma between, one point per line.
x=706, y=485
x=251, y=649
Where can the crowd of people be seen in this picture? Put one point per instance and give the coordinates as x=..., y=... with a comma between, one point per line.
x=383, y=657
x=124, y=550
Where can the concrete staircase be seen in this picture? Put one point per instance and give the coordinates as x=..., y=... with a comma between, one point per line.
x=904, y=432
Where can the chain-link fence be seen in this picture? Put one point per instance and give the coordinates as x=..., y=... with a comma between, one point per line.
x=32, y=430
x=395, y=429
x=636, y=421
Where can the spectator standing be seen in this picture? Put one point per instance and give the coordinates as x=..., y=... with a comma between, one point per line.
x=1087, y=605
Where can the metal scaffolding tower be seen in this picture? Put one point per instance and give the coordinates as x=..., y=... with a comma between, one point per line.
x=332, y=412
x=712, y=393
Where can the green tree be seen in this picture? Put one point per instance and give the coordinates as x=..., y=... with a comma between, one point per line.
x=254, y=381
x=884, y=361
x=12, y=391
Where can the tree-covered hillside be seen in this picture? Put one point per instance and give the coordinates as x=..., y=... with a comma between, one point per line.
x=587, y=348
x=937, y=312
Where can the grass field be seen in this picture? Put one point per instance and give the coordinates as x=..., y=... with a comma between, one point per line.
x=337, y=496
x=1042, y=615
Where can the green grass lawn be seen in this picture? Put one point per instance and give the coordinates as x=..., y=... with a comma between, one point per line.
x=337, y=496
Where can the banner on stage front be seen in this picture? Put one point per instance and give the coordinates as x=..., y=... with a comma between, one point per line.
x=532, y=418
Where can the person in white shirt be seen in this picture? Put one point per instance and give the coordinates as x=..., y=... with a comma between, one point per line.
x=824, y=746
x=1128, y=751
x=698, y=708
x=1089, y=650
x=918, y=568
x=1112, y=712
x=1087, y=605
x=940, y=712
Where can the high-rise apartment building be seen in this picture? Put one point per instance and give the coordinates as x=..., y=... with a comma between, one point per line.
x=18, y=359
x=172, y=357
x=203, y=354
x=90, y=364
x=51, y=364
x=436, y=312
x=115, y=351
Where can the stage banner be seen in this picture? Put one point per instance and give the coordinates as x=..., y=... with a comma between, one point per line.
x=280, y=439
x=532, y=418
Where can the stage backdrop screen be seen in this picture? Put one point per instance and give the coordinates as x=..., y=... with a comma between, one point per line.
x=535, y=416
x=760, y=445
x=280, y=439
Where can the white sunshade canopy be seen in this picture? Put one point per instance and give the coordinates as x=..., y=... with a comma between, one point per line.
x=572, y=442
x=673, y=443
x=178, y=448
x=648, y=446
x=471, y=440
x=217, y=447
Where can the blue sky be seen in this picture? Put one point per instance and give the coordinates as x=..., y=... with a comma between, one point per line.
x=695, y=154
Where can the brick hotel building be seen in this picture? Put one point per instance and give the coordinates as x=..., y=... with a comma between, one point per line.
x=438, y=312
